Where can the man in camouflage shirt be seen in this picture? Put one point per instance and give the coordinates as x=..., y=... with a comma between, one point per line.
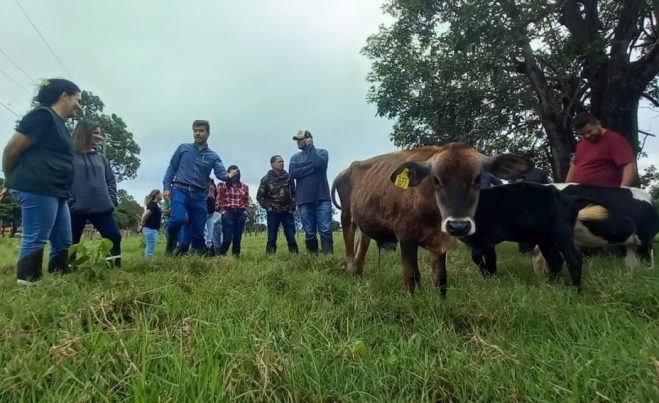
x=277, y=196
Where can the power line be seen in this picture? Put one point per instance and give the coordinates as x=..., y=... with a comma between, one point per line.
x=43, y=39
x=17, y=66
x=10, y=110
x=14, y=81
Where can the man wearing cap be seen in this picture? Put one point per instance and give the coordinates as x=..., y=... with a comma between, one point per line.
x=186, y=184
x=309, y=169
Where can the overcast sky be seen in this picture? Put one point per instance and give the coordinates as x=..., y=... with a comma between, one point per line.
x=257, y=70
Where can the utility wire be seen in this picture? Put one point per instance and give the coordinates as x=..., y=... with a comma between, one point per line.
x=17, y=66
x=10, y=110
x=14, y=81
x=43, y=39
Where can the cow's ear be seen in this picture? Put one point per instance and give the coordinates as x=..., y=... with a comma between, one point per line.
x=410, y=174
x=507, y=166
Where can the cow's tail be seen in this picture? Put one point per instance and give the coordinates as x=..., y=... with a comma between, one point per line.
x=339, y=177
x=593, y=212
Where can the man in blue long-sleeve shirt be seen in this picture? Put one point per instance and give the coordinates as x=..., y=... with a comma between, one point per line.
x=187, y=178
x=309, y=169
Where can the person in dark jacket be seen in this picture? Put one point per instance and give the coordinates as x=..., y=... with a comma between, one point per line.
x=276, y=195
x=94, y=190
x=38, y=164
x=309, y=169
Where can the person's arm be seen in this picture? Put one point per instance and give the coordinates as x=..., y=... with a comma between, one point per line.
x=171, y=170
x=111, y=182
x=298, y=169
x=318, y=158
x=220, y=171
x=16, y=145
x=261, y=194
x=568, y=178
x=245, y=199
x=291, y=183
x=145, y=216
x=222, y=203
x=629, y=174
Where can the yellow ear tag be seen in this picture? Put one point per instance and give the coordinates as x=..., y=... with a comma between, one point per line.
x=402, y=180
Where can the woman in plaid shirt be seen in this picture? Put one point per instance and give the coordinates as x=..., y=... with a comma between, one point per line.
x=233, y=204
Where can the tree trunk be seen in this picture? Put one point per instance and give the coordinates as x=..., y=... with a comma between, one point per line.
x=561, y=145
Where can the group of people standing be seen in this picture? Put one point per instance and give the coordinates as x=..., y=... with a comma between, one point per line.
x=205, y=212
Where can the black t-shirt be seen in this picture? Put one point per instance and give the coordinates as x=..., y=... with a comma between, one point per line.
x=46, y=167
x=153, y=221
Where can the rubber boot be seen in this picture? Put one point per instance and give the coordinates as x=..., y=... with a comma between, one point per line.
x=312, y=246
x=292, y=248
x=28, y=269
x=171, y=244
x=60, y=263
x=327, y=245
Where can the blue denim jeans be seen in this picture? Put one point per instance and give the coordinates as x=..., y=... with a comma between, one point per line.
x=288, y=222
x=217, y=232
x=316, y=217
x=45, y=218
x=233, y=224
x=151, y=238
x=194, y=204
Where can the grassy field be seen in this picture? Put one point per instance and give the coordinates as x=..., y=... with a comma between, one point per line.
x=297, y=328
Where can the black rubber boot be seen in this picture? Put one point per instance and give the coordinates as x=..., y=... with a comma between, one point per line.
x=312, y=246
x=292, y=248
x=28, y=269
x=327, y=244
x=60, y=263
x=171, y=244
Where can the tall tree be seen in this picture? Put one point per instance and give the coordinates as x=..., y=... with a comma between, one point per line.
x=119, y=147
x=512, y=74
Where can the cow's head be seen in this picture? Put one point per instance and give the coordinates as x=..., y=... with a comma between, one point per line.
x=455, y=173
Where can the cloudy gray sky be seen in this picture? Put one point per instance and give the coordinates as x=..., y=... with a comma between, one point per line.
x=258, y=70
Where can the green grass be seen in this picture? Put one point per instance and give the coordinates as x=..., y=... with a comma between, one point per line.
x=300, y=329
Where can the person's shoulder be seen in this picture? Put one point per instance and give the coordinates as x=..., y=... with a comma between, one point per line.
x=37, y=116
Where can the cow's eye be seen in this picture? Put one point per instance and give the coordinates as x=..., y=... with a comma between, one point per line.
x=477, y=181
x=436, y=181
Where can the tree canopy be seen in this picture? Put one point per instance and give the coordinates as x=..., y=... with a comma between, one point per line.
x=510, y=75
x=120, y=148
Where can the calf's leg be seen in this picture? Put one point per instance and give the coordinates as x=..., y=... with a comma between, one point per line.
x=439, y=272
x=409, y=255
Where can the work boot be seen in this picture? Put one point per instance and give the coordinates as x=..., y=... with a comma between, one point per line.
x=60, y=263
x=28, y=269
x=327, y=244
x=312, y=246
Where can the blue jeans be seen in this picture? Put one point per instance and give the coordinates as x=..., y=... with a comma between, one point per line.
x=45, y=218
x=233, y=224
x=151, y=238
x=194, y=204
x=316, y=217
x=217, y=231
x=287, y=221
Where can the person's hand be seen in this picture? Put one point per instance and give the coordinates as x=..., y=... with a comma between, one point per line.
x=167, y=212
x=166, y=194
x=139, y=229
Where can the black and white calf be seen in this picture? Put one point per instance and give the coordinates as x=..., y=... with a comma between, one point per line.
x=526, y=212
x=612, y=216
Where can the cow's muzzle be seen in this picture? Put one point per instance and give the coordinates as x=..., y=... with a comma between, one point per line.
x=459, y=226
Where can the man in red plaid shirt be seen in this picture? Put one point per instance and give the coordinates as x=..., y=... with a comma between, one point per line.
x=233, y=204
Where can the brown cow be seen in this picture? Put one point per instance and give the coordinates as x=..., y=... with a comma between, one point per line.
x=416, y=212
